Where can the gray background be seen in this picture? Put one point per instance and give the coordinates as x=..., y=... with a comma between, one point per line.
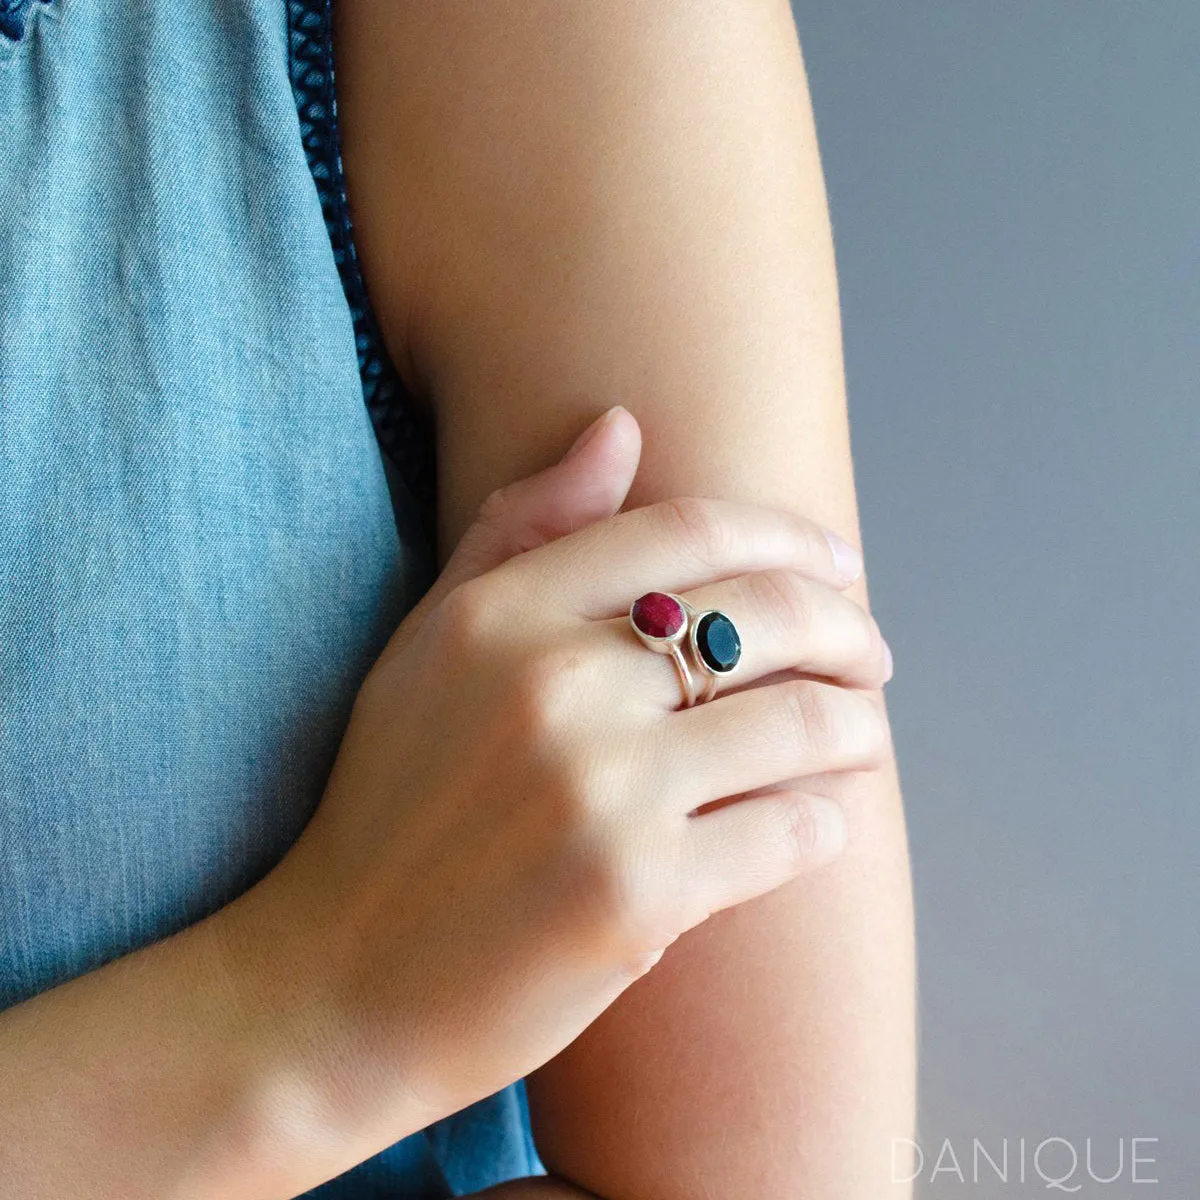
x=1015, y=190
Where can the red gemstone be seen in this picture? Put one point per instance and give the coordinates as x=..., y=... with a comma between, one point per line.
x=657, y=615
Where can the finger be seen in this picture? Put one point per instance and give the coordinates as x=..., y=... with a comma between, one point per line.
x=755, y=845
x=754, y=738
x=588, y=484
x=785, y=622
x=674, y=545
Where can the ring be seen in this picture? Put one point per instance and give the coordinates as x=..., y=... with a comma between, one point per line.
x=660, y=621
x=715, y=644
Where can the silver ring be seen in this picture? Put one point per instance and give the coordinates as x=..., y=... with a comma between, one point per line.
x=715, y=644
x=660, y=619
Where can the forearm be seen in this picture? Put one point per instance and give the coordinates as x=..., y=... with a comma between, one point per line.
x=152, y=1077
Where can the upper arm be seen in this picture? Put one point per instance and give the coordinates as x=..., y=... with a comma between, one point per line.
x=564, y=206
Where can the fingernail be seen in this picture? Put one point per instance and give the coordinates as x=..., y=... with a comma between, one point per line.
x=847, y=561
x=829, y=824
x=888, y=663
x=590, y=432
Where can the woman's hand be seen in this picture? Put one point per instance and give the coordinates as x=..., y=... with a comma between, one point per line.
x=510, y=834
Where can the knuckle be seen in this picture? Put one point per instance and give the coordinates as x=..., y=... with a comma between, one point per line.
x=692, y=523
x=628, y=922
x=545, y=686
x=811, y=718
x=495, y=508
x=551, y=676
x=616, y=896
x=801, y=834
x=467, y=613
x=851, y=729
x=509, y=527
x=781, y=598
x=611, y=888
x=837, y=728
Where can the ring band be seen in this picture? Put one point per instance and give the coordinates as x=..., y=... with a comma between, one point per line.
x=660, y=620
x=715, y=644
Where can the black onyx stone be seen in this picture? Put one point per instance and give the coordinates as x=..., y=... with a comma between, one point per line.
x=718, y=642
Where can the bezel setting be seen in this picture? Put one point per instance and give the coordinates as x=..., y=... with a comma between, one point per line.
x=705, y=640
x=695, y=632
x=655, y=610
x=667, y=611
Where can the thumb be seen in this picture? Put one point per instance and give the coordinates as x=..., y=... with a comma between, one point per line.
x=588, y=484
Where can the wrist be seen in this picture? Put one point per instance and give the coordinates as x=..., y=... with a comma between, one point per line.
x=288, y=1131
x=317, y=1098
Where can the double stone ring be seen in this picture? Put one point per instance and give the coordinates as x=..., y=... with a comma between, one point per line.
x=666, y=623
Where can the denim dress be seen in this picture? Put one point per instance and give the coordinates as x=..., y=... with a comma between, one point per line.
x=216, y=500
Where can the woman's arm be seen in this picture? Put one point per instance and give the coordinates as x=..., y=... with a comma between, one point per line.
x=156, y=1075
x=564, y=206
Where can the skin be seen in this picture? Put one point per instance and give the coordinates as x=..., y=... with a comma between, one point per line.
x=153, y=1076
x=642, y=190
x=573, y=205
x=350, y=998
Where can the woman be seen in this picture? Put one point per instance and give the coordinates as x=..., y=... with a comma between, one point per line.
x=489, y=953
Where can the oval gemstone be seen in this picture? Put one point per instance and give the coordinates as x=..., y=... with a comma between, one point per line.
x=656, y=615
x=718, y=642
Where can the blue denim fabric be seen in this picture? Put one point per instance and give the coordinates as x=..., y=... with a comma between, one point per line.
x=202, y=548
